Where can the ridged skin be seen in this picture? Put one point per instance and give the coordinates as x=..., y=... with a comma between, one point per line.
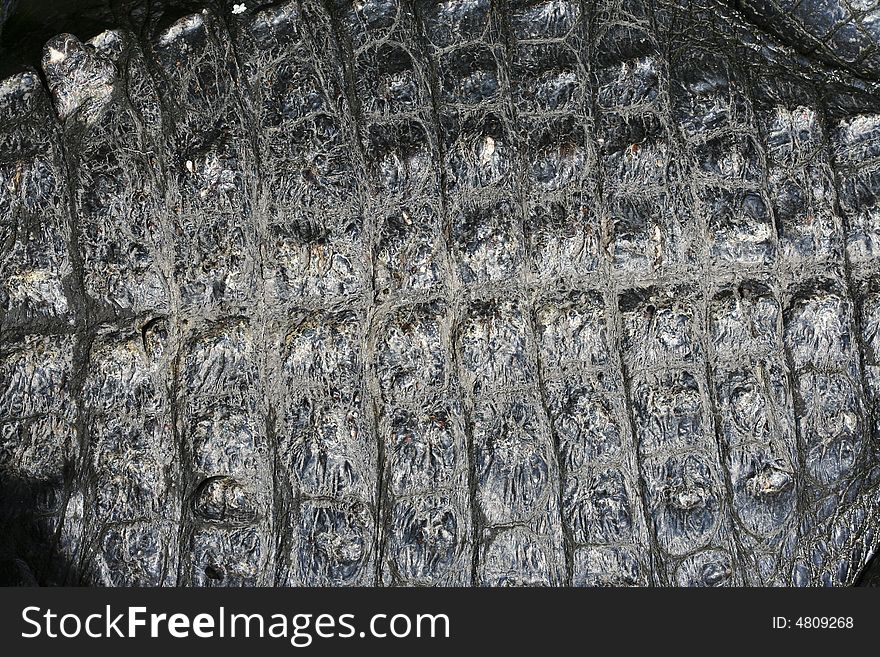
x=843, y=33
x=439, y=293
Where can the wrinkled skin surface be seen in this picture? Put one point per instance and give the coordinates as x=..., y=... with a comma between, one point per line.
x=442, y=293
x=843, y=33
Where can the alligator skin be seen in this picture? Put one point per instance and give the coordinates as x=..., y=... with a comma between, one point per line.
x=440, y=293
x=844, y=33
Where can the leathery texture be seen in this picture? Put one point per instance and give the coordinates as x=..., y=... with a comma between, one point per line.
x=466, y=292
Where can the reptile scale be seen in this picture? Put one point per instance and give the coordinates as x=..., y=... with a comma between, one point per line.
x=467, y=292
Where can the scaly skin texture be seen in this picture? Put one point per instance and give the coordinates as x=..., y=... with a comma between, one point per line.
x=439, y=293
x=843, y=33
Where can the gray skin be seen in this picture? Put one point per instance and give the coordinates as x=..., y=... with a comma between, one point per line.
x=842, y=33
x=462, y=293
